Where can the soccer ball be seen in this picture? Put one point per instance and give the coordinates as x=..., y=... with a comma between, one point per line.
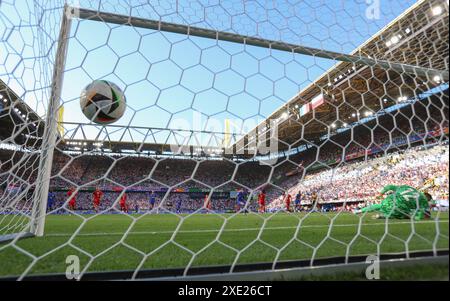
x=103, y=102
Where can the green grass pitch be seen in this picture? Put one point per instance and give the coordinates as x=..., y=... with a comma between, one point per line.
x=119, y=242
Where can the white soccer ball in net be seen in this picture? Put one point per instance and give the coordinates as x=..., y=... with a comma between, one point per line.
x=103, y=102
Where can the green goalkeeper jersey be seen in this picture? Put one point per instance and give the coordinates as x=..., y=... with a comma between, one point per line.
x=401, y=202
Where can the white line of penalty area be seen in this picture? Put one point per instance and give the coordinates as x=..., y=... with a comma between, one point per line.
x=240, y=229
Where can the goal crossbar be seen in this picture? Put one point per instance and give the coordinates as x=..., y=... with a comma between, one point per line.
x=159, y=25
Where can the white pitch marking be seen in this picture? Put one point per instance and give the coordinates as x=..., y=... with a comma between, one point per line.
x=235, y=230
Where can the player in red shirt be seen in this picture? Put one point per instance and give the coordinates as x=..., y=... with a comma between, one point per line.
x=97, y=197
x=262, y=201
x=287, y=201
x=72, y=198
x=123, y=203
x=207, y=202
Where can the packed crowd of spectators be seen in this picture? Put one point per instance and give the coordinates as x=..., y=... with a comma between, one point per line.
x=340, y=184
x=344, y=187
x=358, y=183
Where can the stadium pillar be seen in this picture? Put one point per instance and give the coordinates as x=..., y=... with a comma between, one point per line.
x=49, y=138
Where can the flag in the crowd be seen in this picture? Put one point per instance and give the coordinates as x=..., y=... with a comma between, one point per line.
x=60, y=121
x=305, y=109
x=317, y=101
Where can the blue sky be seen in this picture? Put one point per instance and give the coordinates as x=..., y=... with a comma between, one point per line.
x=176, y=81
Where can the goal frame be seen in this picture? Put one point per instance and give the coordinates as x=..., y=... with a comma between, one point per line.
x=50, y=139
x=69, y=13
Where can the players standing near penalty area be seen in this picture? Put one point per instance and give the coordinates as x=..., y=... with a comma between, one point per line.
x=72, y=198
x=240, y=201
x=178, y=205
x=297, y=202
x=287, y=201
x=314, y=200
x=97, y=197
x=51, y=200
x=207, y=202
x=152, y=200
x=262, y=201
x=123, y=203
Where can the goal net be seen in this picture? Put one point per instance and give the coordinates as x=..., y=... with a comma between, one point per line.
x=256, y=135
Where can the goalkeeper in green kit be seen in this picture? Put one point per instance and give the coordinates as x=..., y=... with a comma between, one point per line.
x=401, y=202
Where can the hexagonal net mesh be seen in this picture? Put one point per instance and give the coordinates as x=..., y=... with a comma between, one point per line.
x=256, y=134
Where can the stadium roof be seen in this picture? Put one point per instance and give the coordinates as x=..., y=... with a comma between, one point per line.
x=354, y=91
x=17, y=117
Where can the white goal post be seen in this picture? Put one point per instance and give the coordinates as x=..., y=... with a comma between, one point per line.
x=50, y=137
